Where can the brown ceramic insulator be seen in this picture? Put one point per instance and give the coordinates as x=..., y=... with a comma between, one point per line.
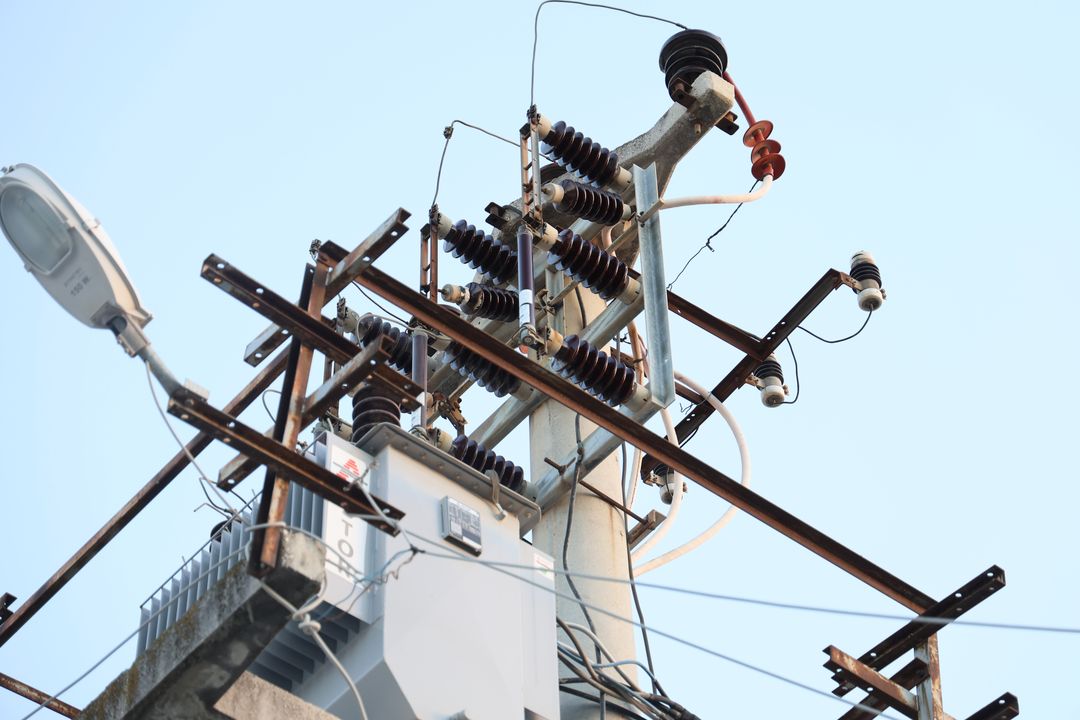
x=371, y=406
x=480, y=251
x=594, y=370
x=601, y=272
x=480, y=458
x=590, y=203
x=490, y=302
x=370, y=328
x=765, y=154
x=579, y=154
x=483, y=372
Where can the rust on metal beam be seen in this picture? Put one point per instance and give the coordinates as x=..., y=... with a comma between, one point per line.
x=265, y=543
x=34, y=695
x=194, y=410
x=313, y=332
x=872, y=706
x=642, y=529
x=871, y=680
x=638, y=435
x=731, y=334
x=932, y=620
x=735, y=379
x=348, y=266
x=134, y=506
x=1005, y=707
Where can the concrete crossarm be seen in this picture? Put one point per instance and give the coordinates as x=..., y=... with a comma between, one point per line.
x=191, y=666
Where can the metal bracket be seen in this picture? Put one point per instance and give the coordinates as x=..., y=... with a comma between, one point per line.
x=5, y=602
x=195, y=411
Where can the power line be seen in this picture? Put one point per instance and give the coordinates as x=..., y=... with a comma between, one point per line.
x=536, y=26
x=928, y=620
x=682, y=641
x=843, y=339
x=448, y=132
x=708, y=240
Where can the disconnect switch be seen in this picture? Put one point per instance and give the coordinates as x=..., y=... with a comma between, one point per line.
x=461, y=525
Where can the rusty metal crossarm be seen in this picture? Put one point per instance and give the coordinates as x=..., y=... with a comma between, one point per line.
x=869, y=679
x=1005, y=707
x=369, y=363
x=731, y=334
x=930, y=621
x=610, y=419
x=873, y=705
x=291, y=318
x=194, y=410
x=347, y=267
x=34, y=695
x=134, y=506
x=735, y=379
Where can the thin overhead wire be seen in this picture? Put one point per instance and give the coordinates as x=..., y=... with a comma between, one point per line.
x=929, y=620
x=448, y=132
x=387, y=314
x=661, y=633
x=536, y=27
x=204, y=482
x=795, y=362
x=843, y=339
x=708, y=240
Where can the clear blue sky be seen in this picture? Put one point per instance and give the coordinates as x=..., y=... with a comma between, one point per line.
x=939, y=442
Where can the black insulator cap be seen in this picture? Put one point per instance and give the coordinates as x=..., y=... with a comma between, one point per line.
x=686, y=55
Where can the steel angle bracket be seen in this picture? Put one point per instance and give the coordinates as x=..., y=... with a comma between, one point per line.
x=348, y=265
x=761, y=349
x=919, y=635
x=195, y=411
x=636, y=434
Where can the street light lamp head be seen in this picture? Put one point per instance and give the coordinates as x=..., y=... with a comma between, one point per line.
x=67, y=250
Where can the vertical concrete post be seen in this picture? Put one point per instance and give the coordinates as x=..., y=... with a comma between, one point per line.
x=598, y=539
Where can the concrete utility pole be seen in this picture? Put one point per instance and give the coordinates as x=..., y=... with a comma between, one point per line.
x=598, y=537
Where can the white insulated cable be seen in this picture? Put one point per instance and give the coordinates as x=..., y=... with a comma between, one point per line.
x=664, y=204
x=676, y=499
x=744, y=458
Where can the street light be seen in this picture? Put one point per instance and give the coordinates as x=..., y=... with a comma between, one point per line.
x=70, y=254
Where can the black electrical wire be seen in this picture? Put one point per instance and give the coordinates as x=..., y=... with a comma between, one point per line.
x=536, y=25
x=389, y=315
x=795, y=362
x=619, y=710
x=708, y=240
x=448, y=132
x=843, y=339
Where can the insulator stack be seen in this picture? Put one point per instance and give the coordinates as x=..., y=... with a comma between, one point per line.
x=765, y=154
x=863, y=270
x=866, y=272
x=579, y=154
x=480, y=251
x=590, y=203
x=483, y=372
x=372, y=405
x=480, y=458
x=601, y=272
x=686, y=55
x=490, y=302
x=770, y=368
x=370, y=328
x=593, y=370
x=771, y=382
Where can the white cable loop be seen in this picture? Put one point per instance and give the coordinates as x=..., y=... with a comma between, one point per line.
x=676, y=499
x=744, y=457
x=663, y=204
